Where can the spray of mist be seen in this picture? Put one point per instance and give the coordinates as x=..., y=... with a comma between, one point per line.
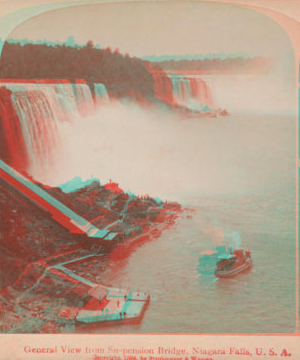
x=148, y=151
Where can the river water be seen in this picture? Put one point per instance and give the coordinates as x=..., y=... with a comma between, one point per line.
x=259, y=207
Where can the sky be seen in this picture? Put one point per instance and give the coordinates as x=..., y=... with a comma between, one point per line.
x=144, y=29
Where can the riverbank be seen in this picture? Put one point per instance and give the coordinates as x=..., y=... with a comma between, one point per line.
x=32, y=295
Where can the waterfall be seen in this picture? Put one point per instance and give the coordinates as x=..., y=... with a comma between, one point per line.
x=84, y=98
x=201, y=91
x=32, y=119
x=38, y=116
x=66, y=101
x=163, y=88
x=12, y=146
x=189, y=91
x=101, y=96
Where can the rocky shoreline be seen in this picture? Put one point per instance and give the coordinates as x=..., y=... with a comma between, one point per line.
x=31, y=296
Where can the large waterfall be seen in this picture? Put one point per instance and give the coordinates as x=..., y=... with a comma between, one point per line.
x=32, y=117
x=189, y=91
x=39, y=124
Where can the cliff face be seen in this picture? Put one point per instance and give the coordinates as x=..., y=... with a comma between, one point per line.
x=27, y=234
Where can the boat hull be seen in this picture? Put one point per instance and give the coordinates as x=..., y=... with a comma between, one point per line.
x=232, y=272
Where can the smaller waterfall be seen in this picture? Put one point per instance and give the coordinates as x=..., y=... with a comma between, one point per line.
x=163, y=88
x=84, y=98
x=189, y=91
x=101, y=95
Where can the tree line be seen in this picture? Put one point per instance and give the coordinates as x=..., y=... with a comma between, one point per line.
x=123, y=76
x=238, y=65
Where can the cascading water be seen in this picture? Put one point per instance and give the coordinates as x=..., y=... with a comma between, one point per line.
x=84, y=98
x=38, y=115
x=101, y=96
x=66, y=101
x=12, y=146
x=32, y=121
x=189, y=91
x=40, y=132
x=163, y=88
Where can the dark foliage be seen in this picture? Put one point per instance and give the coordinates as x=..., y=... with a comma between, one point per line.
x=122, y=75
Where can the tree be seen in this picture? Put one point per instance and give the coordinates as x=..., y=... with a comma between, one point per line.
x=90, y=44
x=70, y=41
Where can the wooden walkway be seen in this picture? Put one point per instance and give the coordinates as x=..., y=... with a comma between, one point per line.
x=61, y=213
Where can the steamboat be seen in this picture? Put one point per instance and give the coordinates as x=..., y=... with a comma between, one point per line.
x=224, y=262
